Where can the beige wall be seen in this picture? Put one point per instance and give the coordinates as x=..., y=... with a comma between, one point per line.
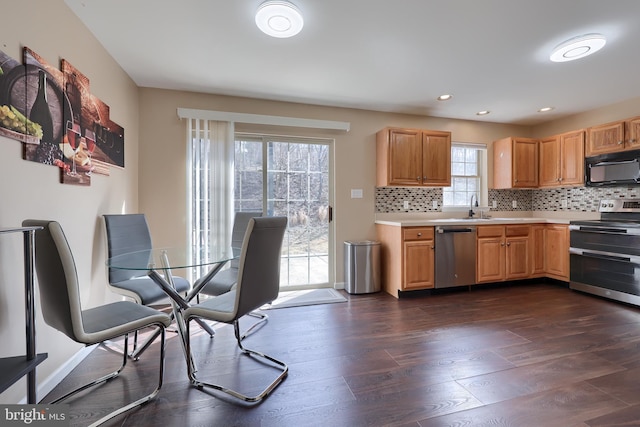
x=610, y=113
x=31, y=190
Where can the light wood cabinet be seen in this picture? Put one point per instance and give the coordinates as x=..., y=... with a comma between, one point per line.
x=556, y=246
x=615, y=136
x=502, y=253
x=562, y=160
x=407, y=258
x=413, y=157
x=515, y=163
x=537, y=250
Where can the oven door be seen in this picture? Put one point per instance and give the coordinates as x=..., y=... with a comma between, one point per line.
x=605, y=261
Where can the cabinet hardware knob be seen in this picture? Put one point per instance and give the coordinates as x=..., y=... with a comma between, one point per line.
x=620, y=142
x=502, y=244
x=632, y=140
x=419, y=234
x=509, y=244
x=417, y=178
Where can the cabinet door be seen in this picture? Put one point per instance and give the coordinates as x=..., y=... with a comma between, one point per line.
x=605, y=138
x=557, y=251
x=490, y=260
x=525, y=163
x=418, y=265
x=517, y=258
x=536, y=249
x=436, y=159
x=572, y=156
x=405, y=157
x=633, y=133
x=549, y=162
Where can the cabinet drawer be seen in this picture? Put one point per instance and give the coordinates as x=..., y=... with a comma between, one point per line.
x=489, y=230
x=417, y=233
x=517, y=230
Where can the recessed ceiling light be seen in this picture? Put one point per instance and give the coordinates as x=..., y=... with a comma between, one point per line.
x=483, y=112
x=545, y=109
x=578, y=47
x=445, y=97
x=279, y=19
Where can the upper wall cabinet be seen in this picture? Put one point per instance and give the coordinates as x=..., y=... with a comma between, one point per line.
x=515, y=163
x=612, y=137
x=413, y=157
x=562, y=160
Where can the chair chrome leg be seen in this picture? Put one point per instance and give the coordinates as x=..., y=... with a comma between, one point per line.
x=261, y=322
x=284, y=369
x=131, y=405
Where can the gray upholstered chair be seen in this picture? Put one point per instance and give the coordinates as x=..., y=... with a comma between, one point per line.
x=128, y=233
x=62, y=310
x=258, y=284
x=227, y=278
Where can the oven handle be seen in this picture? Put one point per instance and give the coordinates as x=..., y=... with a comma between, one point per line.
x=605, y=230
x=612, y=256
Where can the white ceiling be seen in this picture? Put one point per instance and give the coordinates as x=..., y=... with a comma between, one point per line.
x=394, y=56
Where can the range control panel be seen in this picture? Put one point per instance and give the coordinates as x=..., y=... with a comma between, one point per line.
x=620, y=205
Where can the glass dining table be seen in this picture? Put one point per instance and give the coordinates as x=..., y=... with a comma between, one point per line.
x=159, y=263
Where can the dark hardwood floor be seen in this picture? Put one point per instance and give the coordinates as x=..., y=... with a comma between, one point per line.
x=522, y=355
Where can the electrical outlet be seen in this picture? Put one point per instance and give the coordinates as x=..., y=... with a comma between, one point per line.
x=563, y=203
x=406, y=204
x=494, y=204
x=514, y=204
x=435, y=204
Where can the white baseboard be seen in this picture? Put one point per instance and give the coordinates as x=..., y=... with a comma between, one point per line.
x=59, y=374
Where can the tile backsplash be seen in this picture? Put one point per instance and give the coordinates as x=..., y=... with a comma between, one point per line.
x=569, y=199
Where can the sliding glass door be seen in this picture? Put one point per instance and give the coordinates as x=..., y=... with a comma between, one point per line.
x=290, y=177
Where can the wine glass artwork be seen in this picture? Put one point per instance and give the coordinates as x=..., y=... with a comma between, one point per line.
x=73, y=136
x=90, y=141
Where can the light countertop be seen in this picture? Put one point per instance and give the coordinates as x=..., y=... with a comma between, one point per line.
x=425, y=222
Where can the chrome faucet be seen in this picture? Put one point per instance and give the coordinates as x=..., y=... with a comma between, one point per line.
x=471, y=212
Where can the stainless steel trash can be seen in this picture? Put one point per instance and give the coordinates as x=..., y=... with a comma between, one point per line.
x=362, y=267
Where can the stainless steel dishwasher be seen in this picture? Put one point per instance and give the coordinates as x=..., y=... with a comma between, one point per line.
x=455, y=247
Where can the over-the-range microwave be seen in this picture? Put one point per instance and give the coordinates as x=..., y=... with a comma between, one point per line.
x=621, y=168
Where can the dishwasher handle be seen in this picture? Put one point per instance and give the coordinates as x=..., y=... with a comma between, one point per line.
x=442, y=230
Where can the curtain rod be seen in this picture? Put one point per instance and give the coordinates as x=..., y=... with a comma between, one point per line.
x=260, y=119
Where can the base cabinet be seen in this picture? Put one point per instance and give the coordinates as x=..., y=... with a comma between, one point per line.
x=407, y=258
x=502, y=253
x=556, y=244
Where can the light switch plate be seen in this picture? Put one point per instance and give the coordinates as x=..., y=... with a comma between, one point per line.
x=495, y=204
x=514, y=204
x=356, y=193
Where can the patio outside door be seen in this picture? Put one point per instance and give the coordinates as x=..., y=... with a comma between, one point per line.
x=290, y=177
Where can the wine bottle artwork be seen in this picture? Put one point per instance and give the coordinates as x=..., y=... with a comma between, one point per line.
x=40, y=112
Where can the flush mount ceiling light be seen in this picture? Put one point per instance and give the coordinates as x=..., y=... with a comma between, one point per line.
x=578, y=47
x=445, y=97
x=279, y=19
x=545, y=109
x=483, y=112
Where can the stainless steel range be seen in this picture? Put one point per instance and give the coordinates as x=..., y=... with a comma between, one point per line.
x=605, y=253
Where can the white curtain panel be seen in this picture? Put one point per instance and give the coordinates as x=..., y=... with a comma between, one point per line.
x=211, y=180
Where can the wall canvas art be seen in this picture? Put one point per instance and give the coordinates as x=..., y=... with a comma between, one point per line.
x=57, y=118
